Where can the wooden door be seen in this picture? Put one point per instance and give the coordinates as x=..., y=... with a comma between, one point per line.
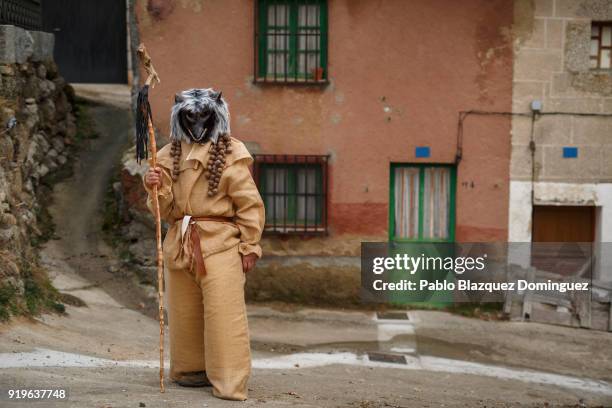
x=562, y=238
x=563, y=223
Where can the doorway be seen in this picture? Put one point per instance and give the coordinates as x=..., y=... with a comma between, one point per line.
x=562, y=238
x=422, y=203
x=422, y=223
x=90, y=39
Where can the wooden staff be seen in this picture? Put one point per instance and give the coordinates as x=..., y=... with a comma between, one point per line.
x=144, y=133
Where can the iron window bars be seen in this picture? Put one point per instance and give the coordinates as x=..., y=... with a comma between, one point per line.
x=291, y=41
x=21, y=13
x=294, y=190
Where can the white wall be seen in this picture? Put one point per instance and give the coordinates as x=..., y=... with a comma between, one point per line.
x=548, y=193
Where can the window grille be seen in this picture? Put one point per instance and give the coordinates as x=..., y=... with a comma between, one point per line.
x=291, y=41
x=294, y=190
x=601, y=45
x=21, y=13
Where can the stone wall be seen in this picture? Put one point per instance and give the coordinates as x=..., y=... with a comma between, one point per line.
x=37, y=127
x=551, y=64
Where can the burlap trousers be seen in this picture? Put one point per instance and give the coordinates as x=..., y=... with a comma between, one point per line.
x=208, y=324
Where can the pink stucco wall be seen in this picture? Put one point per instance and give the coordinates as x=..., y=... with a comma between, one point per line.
x=400, y=71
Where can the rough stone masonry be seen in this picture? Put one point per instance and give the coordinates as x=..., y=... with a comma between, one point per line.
x=33, y=93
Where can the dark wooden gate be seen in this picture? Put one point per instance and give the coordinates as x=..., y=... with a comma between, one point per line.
x=90, y=39
x=562, y=237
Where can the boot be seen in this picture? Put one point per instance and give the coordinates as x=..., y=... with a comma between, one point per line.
x=193, y=379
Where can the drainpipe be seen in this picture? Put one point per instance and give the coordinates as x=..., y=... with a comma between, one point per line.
x=536, y=108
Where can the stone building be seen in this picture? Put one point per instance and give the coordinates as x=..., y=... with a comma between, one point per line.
x=561, y=172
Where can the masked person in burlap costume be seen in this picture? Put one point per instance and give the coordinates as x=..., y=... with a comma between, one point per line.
x=215, y=216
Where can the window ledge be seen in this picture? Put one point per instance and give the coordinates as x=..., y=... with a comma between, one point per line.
x=290, y=81
x=294, y=230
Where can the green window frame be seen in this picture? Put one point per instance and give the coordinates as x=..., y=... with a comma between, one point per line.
x=419, y=173
x=291, y=41
x=294, y=196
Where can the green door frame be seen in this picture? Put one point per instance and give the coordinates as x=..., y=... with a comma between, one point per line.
x=453, y=191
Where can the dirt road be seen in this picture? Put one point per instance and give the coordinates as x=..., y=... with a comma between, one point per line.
x=105, y=354
x=77, y=205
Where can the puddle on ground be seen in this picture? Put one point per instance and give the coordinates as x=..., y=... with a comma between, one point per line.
x=402, y=344
x=408, y=344
x=430, y=346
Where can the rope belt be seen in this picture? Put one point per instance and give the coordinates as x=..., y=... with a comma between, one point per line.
x=194, y=236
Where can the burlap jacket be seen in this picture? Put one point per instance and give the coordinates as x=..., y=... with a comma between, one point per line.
x=237, y=197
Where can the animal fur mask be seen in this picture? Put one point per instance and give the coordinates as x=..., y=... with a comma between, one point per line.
x=199, y=115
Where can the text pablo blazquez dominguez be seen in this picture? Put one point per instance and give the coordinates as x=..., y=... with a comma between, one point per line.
x=458, y=265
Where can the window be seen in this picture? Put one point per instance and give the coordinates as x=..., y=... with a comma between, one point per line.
x=294, y=190
x=422, y=203
x=291, y=41
x=601, y=45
